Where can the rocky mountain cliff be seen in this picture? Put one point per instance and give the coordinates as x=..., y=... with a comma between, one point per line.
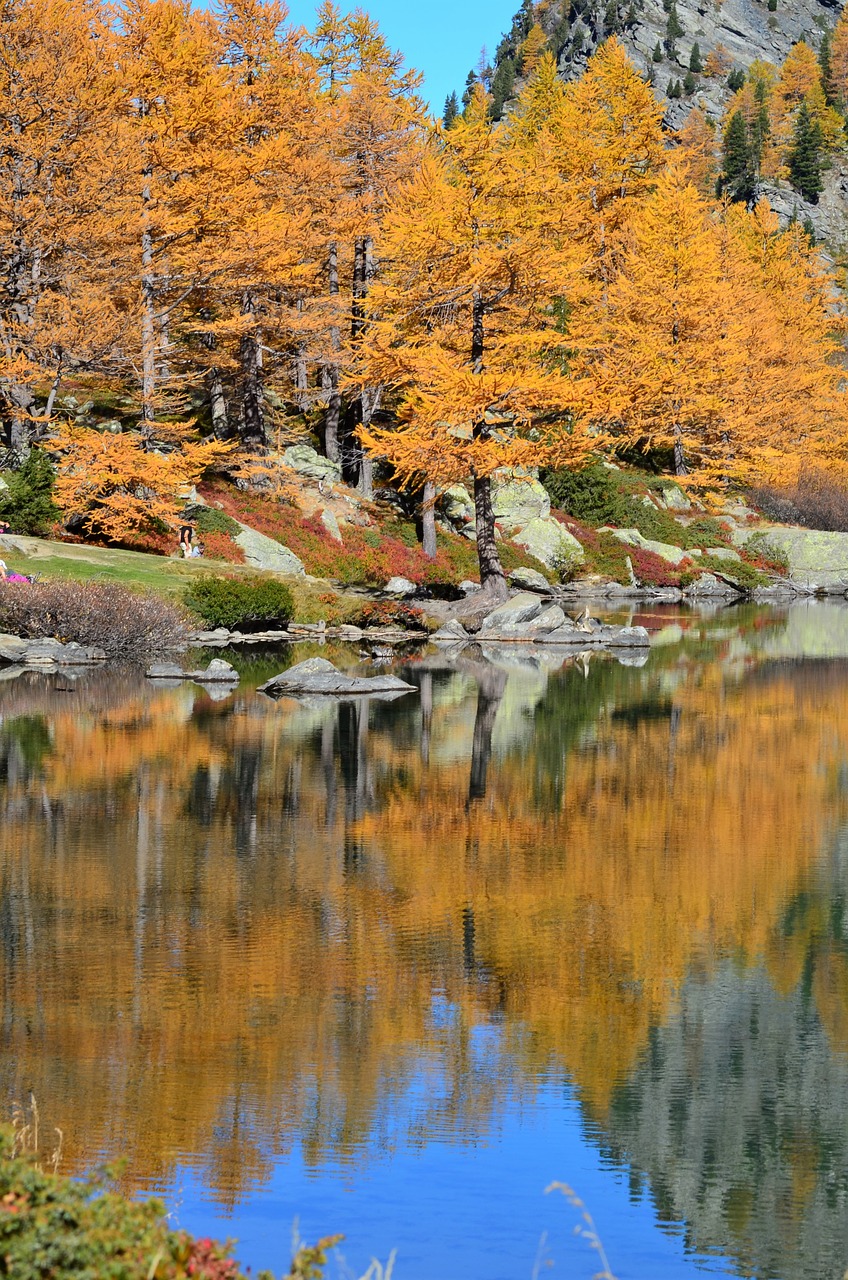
x=736, y=32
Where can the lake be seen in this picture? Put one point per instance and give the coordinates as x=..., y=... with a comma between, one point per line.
x=391, y=968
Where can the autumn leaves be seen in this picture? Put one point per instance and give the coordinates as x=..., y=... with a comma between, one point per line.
x=557, y=286
x=255, y=231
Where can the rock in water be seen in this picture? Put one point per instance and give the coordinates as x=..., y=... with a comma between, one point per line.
x=317, y=675
x=218, y=672
x=164, y=671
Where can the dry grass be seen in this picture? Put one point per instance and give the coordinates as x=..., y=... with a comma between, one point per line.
x=27, y=1136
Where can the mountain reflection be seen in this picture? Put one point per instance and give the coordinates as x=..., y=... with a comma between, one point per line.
x=230, y=927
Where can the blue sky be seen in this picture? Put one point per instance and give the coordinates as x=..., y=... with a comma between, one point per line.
x=441, y=38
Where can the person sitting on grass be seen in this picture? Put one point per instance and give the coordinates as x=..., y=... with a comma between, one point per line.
x=6, y=576
x=188, y=547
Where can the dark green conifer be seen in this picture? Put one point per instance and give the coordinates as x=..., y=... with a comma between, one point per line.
x=695, y=63
x=738, y=176
x=674, y=89
x=805, y=156
x=502, y=86
x=451, y=110
x=735, y=80
x=657, y=55
x=673, y=30
x=690, y=83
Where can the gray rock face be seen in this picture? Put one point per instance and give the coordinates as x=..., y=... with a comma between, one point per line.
x=318, y=676
x=165, y=671
x=400, y=587
x=331, y=524
x=747, y=30
x=817, y=561
x=530, y=580
x=264, y=553
x=303, y=459
x=549, y=541
x=674, y=499
x=517, y=500
x=457, y=505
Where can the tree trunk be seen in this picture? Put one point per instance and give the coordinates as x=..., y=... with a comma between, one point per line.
x=428, y=520
x=680, y=468
x=369, y=399
x=148, y=315
x=330, y=372
x=492, y=577
x=218, y=404
x=252, y=414
x=491, y=571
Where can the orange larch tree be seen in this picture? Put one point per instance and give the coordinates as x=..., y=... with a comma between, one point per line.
x=464, y=333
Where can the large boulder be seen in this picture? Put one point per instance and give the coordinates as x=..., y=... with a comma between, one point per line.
x=516, y=500
x=265, y=553
x=674, y=499
x=303, y=459
x=530, y=580
x=514, y=613
x=550, y=542
x=601, y=636
x=318, y=676
x=817, y=561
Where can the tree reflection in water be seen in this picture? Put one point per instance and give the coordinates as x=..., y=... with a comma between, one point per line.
x=232, y=927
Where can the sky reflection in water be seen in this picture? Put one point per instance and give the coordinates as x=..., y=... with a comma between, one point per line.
x=393, y=968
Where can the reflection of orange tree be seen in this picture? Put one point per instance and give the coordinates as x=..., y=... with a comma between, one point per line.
x=252, y=956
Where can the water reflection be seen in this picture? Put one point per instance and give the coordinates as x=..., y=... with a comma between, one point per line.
x=229, y=927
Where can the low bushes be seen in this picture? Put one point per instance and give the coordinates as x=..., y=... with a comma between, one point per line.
x=245, y=604
x=122, y=623
x=368, y=556
x=51, y=1226
x=591, y=494
x=817, y=501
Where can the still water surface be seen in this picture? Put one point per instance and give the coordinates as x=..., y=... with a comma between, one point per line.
x=391, y=968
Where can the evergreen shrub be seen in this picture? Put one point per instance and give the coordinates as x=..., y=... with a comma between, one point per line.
x=28, y=504
x=246, y=604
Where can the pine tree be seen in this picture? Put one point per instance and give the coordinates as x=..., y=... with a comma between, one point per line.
x=451, y=110
x=657, y=55
x=690, y=84
x=805, y=156
x=695, y=58
x=673, y=30
x=738, y=177
x=674, y=89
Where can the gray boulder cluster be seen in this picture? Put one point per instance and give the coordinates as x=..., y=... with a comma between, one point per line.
x=48, y=653
x=522, y=510
x=528, y=618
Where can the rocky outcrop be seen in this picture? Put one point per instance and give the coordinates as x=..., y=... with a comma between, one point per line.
x=318, y=676
x=665, y=550
x=528, y=619
x=48, y=652
x=306, y=461
x=265, y=553
x=817, y=562
x=530, y=580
